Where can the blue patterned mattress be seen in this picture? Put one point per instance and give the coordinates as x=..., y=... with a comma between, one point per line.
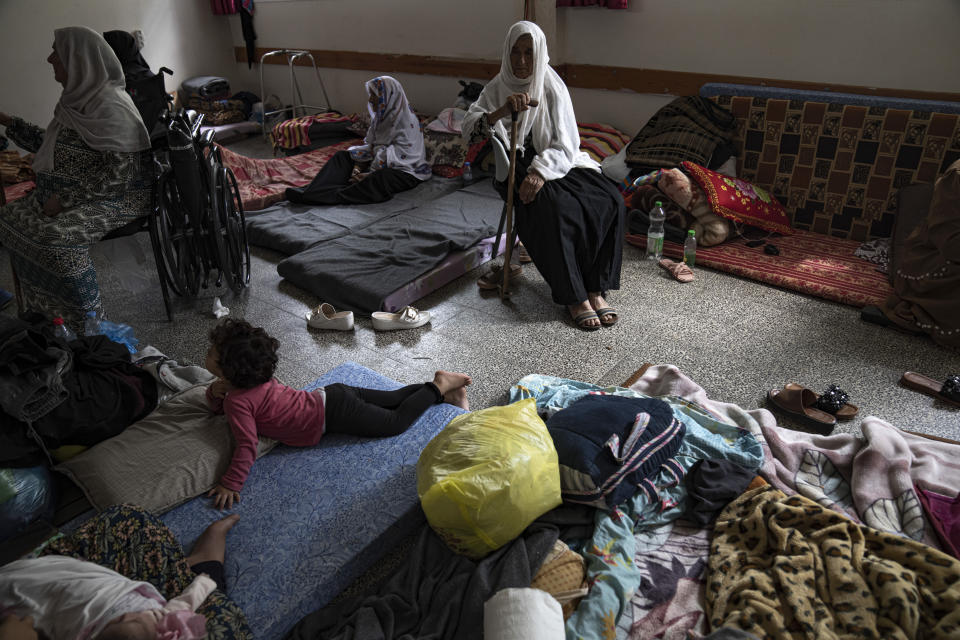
x=313, y=519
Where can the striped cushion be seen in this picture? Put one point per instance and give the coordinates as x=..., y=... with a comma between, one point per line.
x=601, y=140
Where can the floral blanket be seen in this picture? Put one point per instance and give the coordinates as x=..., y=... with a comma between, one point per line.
x=871, y=480
x=263, y=182
x=620, y=535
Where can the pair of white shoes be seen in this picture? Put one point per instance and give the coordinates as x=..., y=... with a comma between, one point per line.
x=326, y=317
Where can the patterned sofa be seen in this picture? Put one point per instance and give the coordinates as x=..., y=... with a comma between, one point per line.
x=837, y=161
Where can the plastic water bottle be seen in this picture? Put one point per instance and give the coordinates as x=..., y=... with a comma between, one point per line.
x=62, y=331
x=655, y=232
x=467, y=173
x=91, y=324
x=690, y=248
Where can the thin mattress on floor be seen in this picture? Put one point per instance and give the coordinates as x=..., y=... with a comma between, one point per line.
x=361, y=269
x=291, y=228
x=312, y=519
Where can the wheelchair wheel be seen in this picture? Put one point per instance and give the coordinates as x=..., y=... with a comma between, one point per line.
x=177, y=240
x=237, y=248
x=216, y=218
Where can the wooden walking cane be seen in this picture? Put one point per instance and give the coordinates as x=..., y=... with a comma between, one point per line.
x=505, y=287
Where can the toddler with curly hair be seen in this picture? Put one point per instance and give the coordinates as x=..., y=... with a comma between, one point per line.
x=244, y=358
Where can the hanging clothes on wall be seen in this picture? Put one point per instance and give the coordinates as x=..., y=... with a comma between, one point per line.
x=245, y=9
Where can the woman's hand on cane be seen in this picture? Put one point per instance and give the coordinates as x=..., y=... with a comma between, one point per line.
x=515, y=103
x=530, y=187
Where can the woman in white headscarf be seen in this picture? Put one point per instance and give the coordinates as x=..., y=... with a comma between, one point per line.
x=390, y=160
x=569, y=216
x=93, y=176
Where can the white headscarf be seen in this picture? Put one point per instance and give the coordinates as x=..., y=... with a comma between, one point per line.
x=394, y=137
x=93, y=102
x=552, y=124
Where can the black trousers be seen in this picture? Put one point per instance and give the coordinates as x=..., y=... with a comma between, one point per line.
x=332, y=185
x=213, y=569
x=573, y=231
x=372, y=413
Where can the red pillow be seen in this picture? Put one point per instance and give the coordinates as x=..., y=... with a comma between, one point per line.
x=740, y=201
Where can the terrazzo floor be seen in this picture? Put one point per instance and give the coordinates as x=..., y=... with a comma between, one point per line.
x=735, y=337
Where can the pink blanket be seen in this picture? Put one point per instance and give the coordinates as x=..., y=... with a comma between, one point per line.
x=870, y=479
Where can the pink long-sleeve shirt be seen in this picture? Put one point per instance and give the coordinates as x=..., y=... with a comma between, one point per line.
x=291, y=416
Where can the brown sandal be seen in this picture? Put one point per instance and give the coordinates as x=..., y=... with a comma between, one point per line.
x=798, y=401
x=679, y=270
x=947, y=391
x=494, y=278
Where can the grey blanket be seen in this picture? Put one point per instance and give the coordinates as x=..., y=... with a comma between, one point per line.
x=435, y=595
x=291, y=228
x=360, y=267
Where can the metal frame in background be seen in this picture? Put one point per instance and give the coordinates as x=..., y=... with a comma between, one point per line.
x=296, y=97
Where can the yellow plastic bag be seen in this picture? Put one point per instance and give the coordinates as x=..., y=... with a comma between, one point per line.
x=487, y=476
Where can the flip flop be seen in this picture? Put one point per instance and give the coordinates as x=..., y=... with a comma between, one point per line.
x=494, y=278
x=834, y=401
x=326, y=317
x=581, y=321
x=678, y=270
x=604, y=312
x=947, y=391
x=797, y=401
x=874, y=315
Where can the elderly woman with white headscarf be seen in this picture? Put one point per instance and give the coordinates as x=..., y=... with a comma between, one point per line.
x=390, y=160
x=93, y=176
x=569, y=216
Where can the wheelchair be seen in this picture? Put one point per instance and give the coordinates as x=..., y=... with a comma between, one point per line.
x=197, y=226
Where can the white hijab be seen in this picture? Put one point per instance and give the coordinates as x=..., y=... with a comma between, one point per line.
x=552, y=124
x=394, y=135
x=94, y=102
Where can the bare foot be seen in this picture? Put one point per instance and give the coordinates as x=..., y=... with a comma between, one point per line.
x=583, y=307
x=212, y=543
x=458, y=398
x=447, y=381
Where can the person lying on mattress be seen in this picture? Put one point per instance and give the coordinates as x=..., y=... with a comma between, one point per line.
x=59, y=597
x=244, y=358
x=390, y=160
x=569, y=216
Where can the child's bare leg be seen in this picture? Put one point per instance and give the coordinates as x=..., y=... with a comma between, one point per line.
x=448, y=381
x=458, y=398
x=212, y=543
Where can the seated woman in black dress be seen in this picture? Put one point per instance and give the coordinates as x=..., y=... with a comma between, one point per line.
x=390, y=160
x=569, y=216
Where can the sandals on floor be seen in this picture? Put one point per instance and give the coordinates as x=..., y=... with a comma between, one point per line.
x=406, y=318
x=836, y=402
x=798, y=401
x=491, y=280
x=582, y=319
x=679, y=270
x=326, y=317
x=607, y=312
x=875, y=315
x=948, y=391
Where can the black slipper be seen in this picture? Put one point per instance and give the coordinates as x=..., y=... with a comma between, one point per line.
x=875, y=316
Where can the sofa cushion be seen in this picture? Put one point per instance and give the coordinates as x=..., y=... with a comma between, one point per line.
x=739, y=200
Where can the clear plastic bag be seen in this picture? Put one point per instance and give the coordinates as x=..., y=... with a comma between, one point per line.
x=487, y=476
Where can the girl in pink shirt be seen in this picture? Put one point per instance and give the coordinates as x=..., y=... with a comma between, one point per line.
x=244, y=358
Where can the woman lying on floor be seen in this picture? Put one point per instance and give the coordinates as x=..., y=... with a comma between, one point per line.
x=569, y=217
x=93, y=176
x=390, y=160
x=122, y=574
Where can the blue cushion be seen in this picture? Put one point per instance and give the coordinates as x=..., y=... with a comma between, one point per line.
x=314, y=518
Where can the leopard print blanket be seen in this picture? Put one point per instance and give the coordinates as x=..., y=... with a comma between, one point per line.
x=786, y=567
